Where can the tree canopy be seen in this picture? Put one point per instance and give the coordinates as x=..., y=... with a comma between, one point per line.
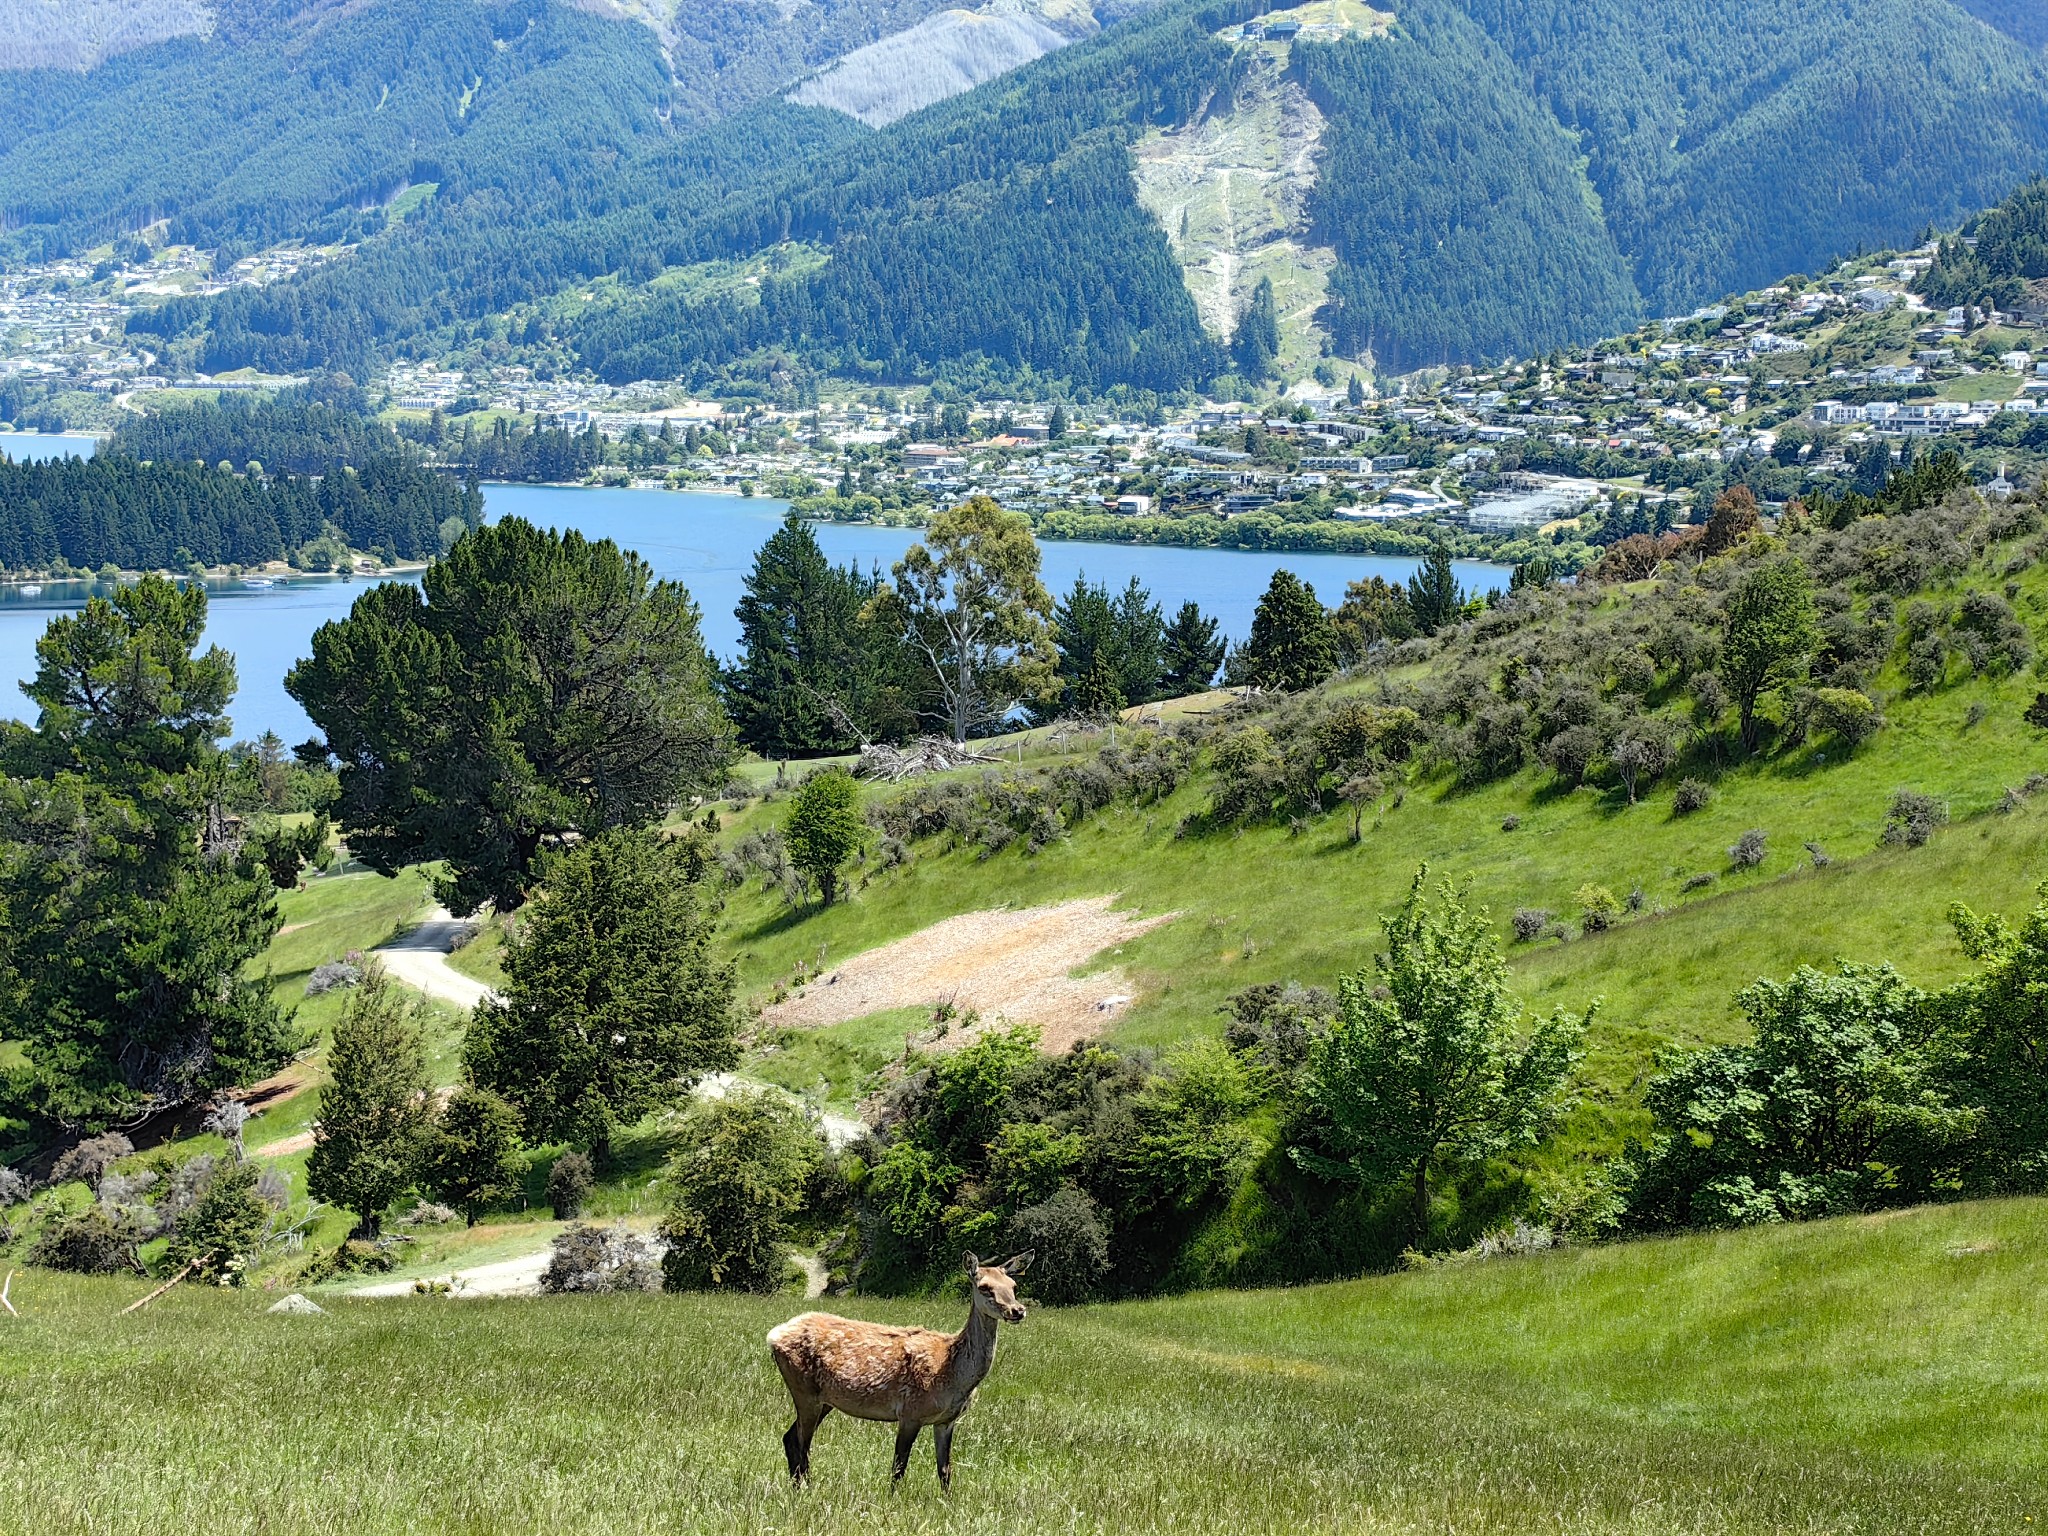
x=131, y=912
x=969, y=603
x=614, y=1001
x=533, y=686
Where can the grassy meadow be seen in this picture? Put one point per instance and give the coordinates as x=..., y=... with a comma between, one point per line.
x=1876, y=1374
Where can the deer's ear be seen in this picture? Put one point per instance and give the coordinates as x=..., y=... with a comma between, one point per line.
x=973, y=1266
x=1013, y=1267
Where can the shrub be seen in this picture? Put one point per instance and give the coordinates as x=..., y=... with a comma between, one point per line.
x=427, y=1214
x=1691, y=795
x=1528, y=923
x=599, y=1261
x=335, y=973
x=569, y=1185
x=1598, y=908
x=1911, y=819
x=92, y=1242
x=1749, y=849
x=14, y=1188
x=1510, y=823
x=90, y=1159
x=1695, y=883
x=739, y=1181
x=1845, y=714
x=1072, y=1242
x=1818, y=854
x=1273, y=1021
x=225, y=1229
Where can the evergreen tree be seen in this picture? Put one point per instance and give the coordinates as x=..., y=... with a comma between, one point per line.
x=1191, y=649
x=1355, y=393
x=814, y=675
x=535, y=684
x=1293, y=644
x=1056, y=426
x=1257, y=342
x=825, y=828
x=1096, y=693
x=376, y=1112
x=131, y=917
x=613, y=998
x=1123, y=634
x=1434, y=598
x=474, y=1157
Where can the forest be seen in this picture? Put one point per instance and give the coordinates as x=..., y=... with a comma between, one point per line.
x=1994, y=258
x=170, y=515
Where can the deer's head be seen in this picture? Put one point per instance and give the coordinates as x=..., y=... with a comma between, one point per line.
x=994, y=1286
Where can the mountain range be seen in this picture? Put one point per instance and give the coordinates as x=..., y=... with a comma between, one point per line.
x=895, y=189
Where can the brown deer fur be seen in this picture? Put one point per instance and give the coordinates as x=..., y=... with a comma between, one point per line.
x=909, y=1377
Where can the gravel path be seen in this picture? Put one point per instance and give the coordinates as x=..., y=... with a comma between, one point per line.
x=419, y=958
x=1006, y=965
x=507, y=1277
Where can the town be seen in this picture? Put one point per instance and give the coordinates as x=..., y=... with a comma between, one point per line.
x=1807, y=385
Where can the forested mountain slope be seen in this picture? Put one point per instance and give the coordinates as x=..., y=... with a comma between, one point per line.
x=287, y=125
x=1491, y=179
x=77, y=34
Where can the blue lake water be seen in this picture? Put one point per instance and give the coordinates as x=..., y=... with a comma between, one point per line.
x=707, y=543
x=47, y=445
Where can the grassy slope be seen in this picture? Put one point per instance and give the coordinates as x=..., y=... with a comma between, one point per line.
x=1883, y=1374
x=1265, y=904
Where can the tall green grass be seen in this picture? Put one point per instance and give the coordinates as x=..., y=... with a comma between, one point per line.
x=1876, y=1375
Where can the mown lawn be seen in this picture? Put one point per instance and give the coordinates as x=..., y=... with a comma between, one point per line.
x=1868, y=1375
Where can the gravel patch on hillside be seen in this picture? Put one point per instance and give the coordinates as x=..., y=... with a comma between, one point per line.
x=1009, y=966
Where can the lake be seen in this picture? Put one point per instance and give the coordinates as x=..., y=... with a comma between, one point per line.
x=47, y=445
x=707, y=543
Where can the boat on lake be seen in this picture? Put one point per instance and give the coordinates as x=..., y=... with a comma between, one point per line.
x=258, y=583
x=32, y=590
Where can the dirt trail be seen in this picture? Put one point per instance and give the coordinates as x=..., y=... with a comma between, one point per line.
x=419, y=958
x=1007, y=965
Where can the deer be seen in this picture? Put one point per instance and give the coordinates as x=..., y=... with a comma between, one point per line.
x=909, y=1377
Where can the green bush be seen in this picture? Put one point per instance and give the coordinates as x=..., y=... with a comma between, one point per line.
x=737, y=1183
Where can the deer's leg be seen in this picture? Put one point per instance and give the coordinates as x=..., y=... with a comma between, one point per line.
x=943, y=1435
x=796, y=1440
x=906, y=1437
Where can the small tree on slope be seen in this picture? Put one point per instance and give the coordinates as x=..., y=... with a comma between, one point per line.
x=1423, y=1062
x=376, y=1112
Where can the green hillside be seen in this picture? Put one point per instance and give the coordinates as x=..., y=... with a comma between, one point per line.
x=1866, y=1375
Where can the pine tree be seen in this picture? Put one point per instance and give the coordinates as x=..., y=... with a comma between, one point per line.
x=1097, y=693
x=535, y=684
x=613, y=999
x=1433, y=594
x=375, y=1111
x=1191, y=649
x=813, y=675
x=1257, y=341
x=1056, y=428
x=1293, y=644
x=1356, y=392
